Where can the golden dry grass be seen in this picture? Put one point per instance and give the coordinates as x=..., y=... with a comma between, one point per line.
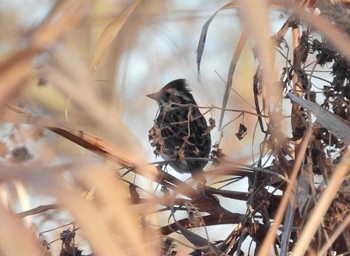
x=74, y=75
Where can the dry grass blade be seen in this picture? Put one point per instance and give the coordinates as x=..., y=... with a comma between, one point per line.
x=13, y=72
x=101, y=219
x=98, y=146
x=126, y=222
x=203, y=36
x=271, y=235
x=15, y=239
x=319, y=211
x=241, y=43
x=63, y=17
x=339, y=127
x=86, y=140
x=88, y=216
x=109, y=33
x=37, y=210
x=255, y=17
x=196, y=240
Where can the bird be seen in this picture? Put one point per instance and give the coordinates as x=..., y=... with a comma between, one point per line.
x=180, y=133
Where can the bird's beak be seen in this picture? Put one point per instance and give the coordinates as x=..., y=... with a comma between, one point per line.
x=154, y=96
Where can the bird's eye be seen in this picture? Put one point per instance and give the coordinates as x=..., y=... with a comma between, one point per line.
x=167, y=94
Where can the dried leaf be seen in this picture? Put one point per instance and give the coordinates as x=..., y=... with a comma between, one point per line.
x=156, y=140
x=217, y=155
x=21, y=154
x=135, y=196
x=180, y=154
x=194, y=216
x=242, y=132
x=212, y=125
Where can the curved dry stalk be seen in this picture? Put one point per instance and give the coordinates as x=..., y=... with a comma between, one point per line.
x=288, y=193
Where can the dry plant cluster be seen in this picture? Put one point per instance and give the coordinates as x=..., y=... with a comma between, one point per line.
x=88, y=163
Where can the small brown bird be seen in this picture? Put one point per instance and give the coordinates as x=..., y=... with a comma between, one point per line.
x=179, y=133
